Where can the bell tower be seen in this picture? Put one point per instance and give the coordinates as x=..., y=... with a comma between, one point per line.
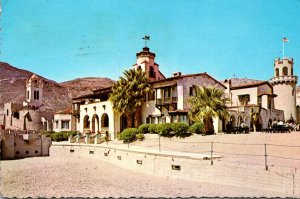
x=284, y=86
x=146, y=61
x=34, y=92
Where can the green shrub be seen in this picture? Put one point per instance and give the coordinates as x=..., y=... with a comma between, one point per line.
x=197, y=127
x=128, y=135
x=153, y=129
x=71, y=133
x=59, y=136
x=144, y=128
x=165, y=130
x=140, y=136
x=181, y=130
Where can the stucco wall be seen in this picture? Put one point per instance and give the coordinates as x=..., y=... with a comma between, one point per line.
x=245, y=91
x=283, y=180
x=98, y=109
x=285, y=99
x=58, y=118
x=18, y=145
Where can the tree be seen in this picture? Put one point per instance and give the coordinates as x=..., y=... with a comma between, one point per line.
x=128, y=94
x=254, y=115
x=208, y=102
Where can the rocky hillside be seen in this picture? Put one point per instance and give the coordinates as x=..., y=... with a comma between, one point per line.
x=56, y=96
x=83, y=86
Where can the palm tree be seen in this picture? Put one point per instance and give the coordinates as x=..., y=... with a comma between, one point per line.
x=207, y=103
x=128, y=94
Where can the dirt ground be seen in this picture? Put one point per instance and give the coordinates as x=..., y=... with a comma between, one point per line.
x=81, y=177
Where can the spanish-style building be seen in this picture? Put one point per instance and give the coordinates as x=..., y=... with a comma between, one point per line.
x=64, y=121
x=32, y=114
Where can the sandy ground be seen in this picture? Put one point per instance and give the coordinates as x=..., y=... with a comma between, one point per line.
x=82, y=177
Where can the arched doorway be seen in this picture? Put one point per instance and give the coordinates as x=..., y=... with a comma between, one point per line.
x=95, y=123
x=86, y=122
x=104, y=120
x=123, y=122
x=105, y=125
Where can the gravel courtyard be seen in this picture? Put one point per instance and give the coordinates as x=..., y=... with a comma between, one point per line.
x=82, y=177
x=54, y=176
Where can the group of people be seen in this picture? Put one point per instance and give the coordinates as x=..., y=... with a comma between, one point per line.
x=290, y=124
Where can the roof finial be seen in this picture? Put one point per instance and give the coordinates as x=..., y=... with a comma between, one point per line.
x=146, y=38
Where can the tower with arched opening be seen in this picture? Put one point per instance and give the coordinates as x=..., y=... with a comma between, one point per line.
x=284, y=86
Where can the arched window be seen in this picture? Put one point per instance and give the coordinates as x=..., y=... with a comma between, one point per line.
x=285, y=71
x=277, y=72
x=292, y=72
x=86, y=122
x=139, y=68
x=104, y=120
x=151, y=72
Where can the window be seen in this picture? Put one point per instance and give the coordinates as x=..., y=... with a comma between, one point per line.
x=167, y=92
x=159, y=120
x=277, y=72
x=36, y=95
x=259, y=100
x=152, y=72
x=244, y=99
x=152, y=120
x=27, y=94
x=192, y=91
x=56, y=124
x=65, y=124
x=182, y=118
x=86, y=122
x=285, y=71
x=151, y=96
x=7, y=112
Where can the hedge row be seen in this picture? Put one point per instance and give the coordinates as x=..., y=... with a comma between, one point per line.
x=60, y=136
x=179, y=129
x=169, y=130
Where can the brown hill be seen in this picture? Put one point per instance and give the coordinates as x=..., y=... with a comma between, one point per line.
x=83, y=86
x=12, y=88
x=56, y=96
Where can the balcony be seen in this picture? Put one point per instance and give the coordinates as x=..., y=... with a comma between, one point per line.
x=169, y=102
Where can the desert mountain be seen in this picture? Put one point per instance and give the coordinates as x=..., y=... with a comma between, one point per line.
x=56, y=96
x=83, y=86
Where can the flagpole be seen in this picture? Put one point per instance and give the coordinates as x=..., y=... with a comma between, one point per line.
x=282, y=48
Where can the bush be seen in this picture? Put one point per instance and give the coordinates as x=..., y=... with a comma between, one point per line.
x=165, y=130
x=197, y=127
x=71, y=133
x=181, y=130
x=128, y=135
x=153, y=129
x=144, y=128
x=140, y=136
x=59, y=136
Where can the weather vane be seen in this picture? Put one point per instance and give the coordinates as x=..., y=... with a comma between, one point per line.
x=146, y=38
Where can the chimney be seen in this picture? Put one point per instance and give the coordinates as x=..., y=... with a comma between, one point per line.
x=177, y=74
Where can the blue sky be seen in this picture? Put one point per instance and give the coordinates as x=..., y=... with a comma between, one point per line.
x=67, y=39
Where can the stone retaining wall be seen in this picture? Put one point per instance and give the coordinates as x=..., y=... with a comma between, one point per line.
x=282, y=180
